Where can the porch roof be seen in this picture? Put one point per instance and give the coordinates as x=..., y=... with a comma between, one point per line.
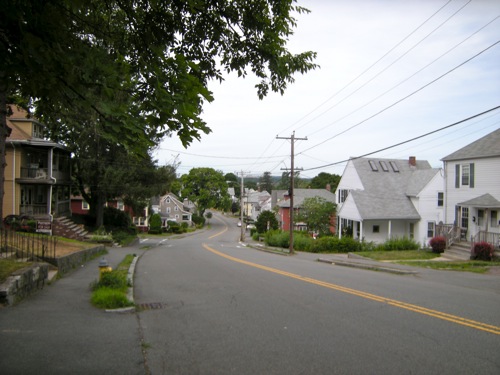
x=372, y=207
x=483, y=201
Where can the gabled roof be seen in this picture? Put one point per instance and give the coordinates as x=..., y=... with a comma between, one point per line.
x=387, y=186
x=301, y=194
x=485, y=200
x=485, y=147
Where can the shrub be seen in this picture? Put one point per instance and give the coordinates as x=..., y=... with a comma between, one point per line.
x=302, y=242
x=482, y=251
x=109, y=298
x=114, y=218
x=438, y=244
x=324, y=244
x=403, y=243
x=155, y=224
x=277, y=238
x=198, y=220
x=263, y=219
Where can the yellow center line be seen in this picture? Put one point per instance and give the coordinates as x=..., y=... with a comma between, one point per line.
x=403, y=305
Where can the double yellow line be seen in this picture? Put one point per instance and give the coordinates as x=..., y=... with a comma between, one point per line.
x=403, y=305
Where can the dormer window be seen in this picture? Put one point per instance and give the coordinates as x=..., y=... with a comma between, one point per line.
x=38, y=131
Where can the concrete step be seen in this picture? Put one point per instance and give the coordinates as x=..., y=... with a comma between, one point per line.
x=457, y=253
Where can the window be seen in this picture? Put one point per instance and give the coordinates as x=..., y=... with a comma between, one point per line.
x=120, y=205
x=430, y=229
x=176, y=208
x=373, y=166
x=185, y=217
x=376, y=229
x=168, y=210
x=440, y=199
x=412, y=230
x=343, y=193
x=85, y=205
x=464, y=175
x=480, y=217
x=465, y=217
x=494, y=218
x=394, y=166
x=383, y=164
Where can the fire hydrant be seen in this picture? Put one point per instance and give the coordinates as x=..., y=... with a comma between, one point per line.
x=104, y=267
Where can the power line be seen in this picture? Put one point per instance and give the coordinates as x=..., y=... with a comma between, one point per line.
x=402, y=99
x=407, y=141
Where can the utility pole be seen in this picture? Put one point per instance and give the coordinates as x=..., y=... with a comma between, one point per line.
x=242, y=193
x=292, y=173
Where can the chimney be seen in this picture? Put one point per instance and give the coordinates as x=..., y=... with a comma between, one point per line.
x=328, y=187
x=412, y=161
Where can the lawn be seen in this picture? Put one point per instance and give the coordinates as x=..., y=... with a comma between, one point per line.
x=424, y=259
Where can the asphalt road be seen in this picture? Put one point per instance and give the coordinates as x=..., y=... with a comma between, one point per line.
x=209, y=305
x=213, y=306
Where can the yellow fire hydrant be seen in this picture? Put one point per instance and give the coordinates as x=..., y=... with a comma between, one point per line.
x=104, y=267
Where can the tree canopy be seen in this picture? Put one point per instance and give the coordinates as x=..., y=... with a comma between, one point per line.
x=317, y=212
x=323, y=179
x=207, y=188
x=156, y=57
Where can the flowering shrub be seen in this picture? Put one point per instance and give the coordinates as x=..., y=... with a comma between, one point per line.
x=438, y=244
x=482, y=251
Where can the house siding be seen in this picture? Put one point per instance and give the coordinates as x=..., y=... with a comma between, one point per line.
x=486, y=180
x=427, y=207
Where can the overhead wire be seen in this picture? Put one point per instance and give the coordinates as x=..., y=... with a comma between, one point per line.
x=402, y=99
x=408, y=140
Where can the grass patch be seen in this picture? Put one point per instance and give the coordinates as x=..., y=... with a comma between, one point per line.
x=8, y=266
x=110, y=292
x=467, y=266
x=399, y=255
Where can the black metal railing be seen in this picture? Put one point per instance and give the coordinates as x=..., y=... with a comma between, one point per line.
x=27, y=246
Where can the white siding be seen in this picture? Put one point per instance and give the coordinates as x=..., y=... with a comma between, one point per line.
x=427, y=207
x=486, y=180
x=350, y=181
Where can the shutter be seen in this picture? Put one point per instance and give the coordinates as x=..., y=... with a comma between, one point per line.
x=471, y=172
x=457, y=175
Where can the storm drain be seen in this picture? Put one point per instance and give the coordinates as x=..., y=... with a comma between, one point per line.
x=151, y=306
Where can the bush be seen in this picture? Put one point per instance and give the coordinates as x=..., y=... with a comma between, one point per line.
x=116, y=219
x=325, y=244
x=277, y=238
x=403, y=243
x=155, y=224
x=302, y=242
x=109, y=298
x=482, y=251
x=438, y=244
x=198, y=220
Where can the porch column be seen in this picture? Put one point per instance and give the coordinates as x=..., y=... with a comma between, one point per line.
x=361, y=230
x=389, y=229
x=340, y=227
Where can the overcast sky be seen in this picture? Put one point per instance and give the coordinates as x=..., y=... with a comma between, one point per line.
x=389, y=71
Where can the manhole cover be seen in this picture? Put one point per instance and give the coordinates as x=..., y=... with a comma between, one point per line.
x=151, y=306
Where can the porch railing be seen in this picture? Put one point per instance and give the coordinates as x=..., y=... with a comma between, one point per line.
x=452, y=233
x=27, y=246
x=491, y=238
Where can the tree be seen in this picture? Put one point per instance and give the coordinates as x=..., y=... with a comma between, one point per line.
x=266, y=221
x=157, y=57
x=233, y=182
x=207, y=188
x=323, y=179
x=317, y=212
x=266, y=183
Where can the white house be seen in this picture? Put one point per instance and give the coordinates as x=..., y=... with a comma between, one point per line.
x=472, y=189
x=379, y=199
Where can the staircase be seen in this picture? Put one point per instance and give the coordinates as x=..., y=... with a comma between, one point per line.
x=458, y=251
x=65, y=227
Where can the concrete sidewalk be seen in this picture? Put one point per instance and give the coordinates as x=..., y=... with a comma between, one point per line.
x=58, y=331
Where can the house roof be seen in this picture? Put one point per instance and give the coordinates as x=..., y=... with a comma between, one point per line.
x=301, y=194
x=485, y=147
x=387, y=186
x=485, y=200
x=19, y=136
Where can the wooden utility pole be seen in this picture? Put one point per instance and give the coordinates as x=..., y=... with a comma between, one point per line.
x=292, y=173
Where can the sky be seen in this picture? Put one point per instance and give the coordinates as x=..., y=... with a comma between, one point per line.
x=390, y=71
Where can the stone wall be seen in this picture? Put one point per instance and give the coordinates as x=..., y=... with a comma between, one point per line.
x=23, y=282
x=69, y=262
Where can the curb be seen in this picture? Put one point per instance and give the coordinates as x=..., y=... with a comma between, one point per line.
x=130, y=291
x=371, y=267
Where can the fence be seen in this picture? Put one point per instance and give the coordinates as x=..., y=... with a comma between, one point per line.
x=27, y=246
